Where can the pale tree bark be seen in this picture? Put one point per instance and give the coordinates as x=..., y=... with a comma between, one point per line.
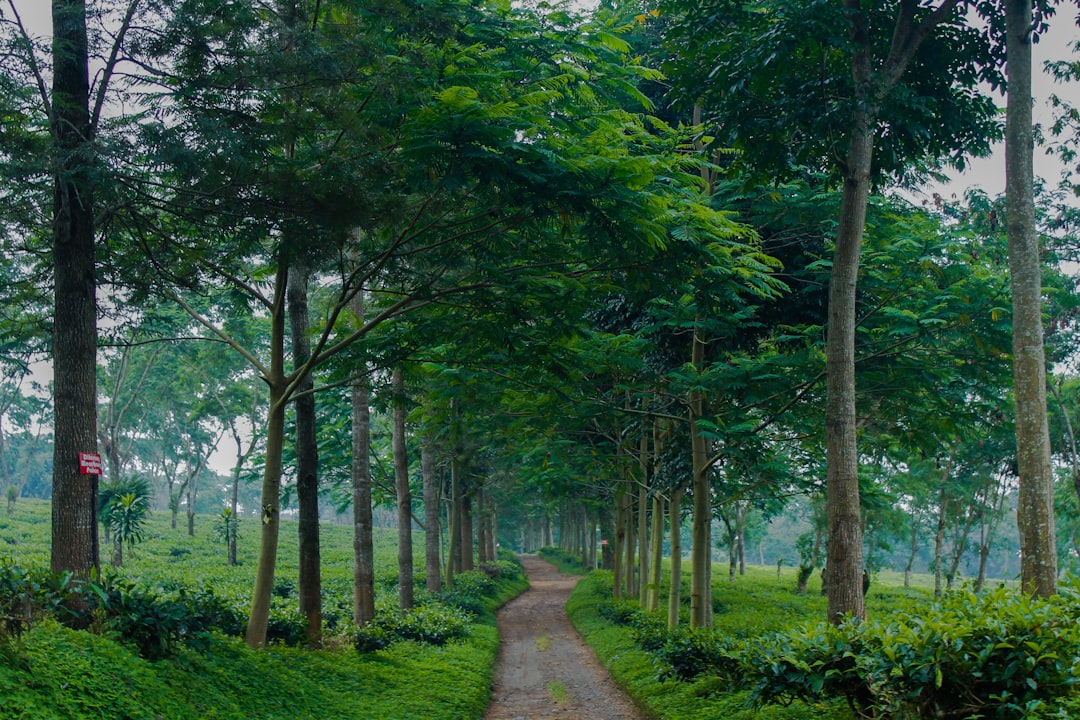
x=307, y=459
x=270, y=501
x=1035, y=510
x=404, y=495
x=700, y=550
x=873, y=83
x=656, y=551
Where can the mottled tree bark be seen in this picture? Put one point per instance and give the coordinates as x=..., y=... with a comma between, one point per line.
x=1035, y=509
x=700, y=550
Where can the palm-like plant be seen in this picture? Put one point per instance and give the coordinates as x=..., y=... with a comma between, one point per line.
x=124, y=507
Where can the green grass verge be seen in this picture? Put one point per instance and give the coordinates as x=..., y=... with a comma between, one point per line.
x=51, y=672
x=55, y=672
x=633, y=670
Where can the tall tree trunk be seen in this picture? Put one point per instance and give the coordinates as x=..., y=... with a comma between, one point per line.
x=270, y=502
x=656, y=551
x=700, y=551
x=741, y=511
x=453, y=553
x=939, y=539
x=74, y=504
x=630, y=546
x=912, y=550
x=466, y=544
x=643, y=524
x=620, y=540
x=675, y=591
x=307, y=460
x=404, y=495
x=432, y=533
x=842, y=485
x=1035, y=510
x=363, y=544
x=192, y=494
x=873, y=84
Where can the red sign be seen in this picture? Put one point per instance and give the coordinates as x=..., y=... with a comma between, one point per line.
x=89, y=463
x=603, y=543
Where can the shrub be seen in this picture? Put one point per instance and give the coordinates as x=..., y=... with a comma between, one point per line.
x=28, y=595
x=474, y=582
x=433, y=624
x=502, y=570
x=999, y=654
x=153, y=623
x=686, y=653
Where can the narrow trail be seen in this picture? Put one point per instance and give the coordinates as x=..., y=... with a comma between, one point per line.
x=545, y=671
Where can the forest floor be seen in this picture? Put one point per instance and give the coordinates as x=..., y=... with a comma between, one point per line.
x=545, y=671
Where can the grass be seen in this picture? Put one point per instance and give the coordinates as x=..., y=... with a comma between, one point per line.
x=633, y=669
x=756, y=605
x=55, y=672
x=543, y=642
x=559, y=693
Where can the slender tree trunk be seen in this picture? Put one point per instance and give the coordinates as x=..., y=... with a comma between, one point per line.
x=656, y=551
x=1035, y=510
x=259, y=616
x=842, y=486
x=675, y=591
x=432, y=532
x=631, y=544
x=453, y=553
x=913, y=550
x=74, y=504
x=643, y=524
x=404, y=495
x=620, y=540
x=939, y=539
x=363, y=544
x=700, y=551
x=873, y=83
x=741, y=511
x=307, y=460
x=467, y=547
x=192, y=494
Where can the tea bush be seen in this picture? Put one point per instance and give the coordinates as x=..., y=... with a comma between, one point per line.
x=998, y=654
x=433, y=624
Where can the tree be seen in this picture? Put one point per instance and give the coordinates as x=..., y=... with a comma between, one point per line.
x=1035, y=514
x=788, y=83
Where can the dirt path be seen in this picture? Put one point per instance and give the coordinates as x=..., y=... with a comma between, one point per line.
x=544, y=670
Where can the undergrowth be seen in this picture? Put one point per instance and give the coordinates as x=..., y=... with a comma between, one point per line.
x=998, y=654
x=162, y=636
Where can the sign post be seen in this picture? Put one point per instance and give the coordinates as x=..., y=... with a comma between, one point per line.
x=89, y=463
